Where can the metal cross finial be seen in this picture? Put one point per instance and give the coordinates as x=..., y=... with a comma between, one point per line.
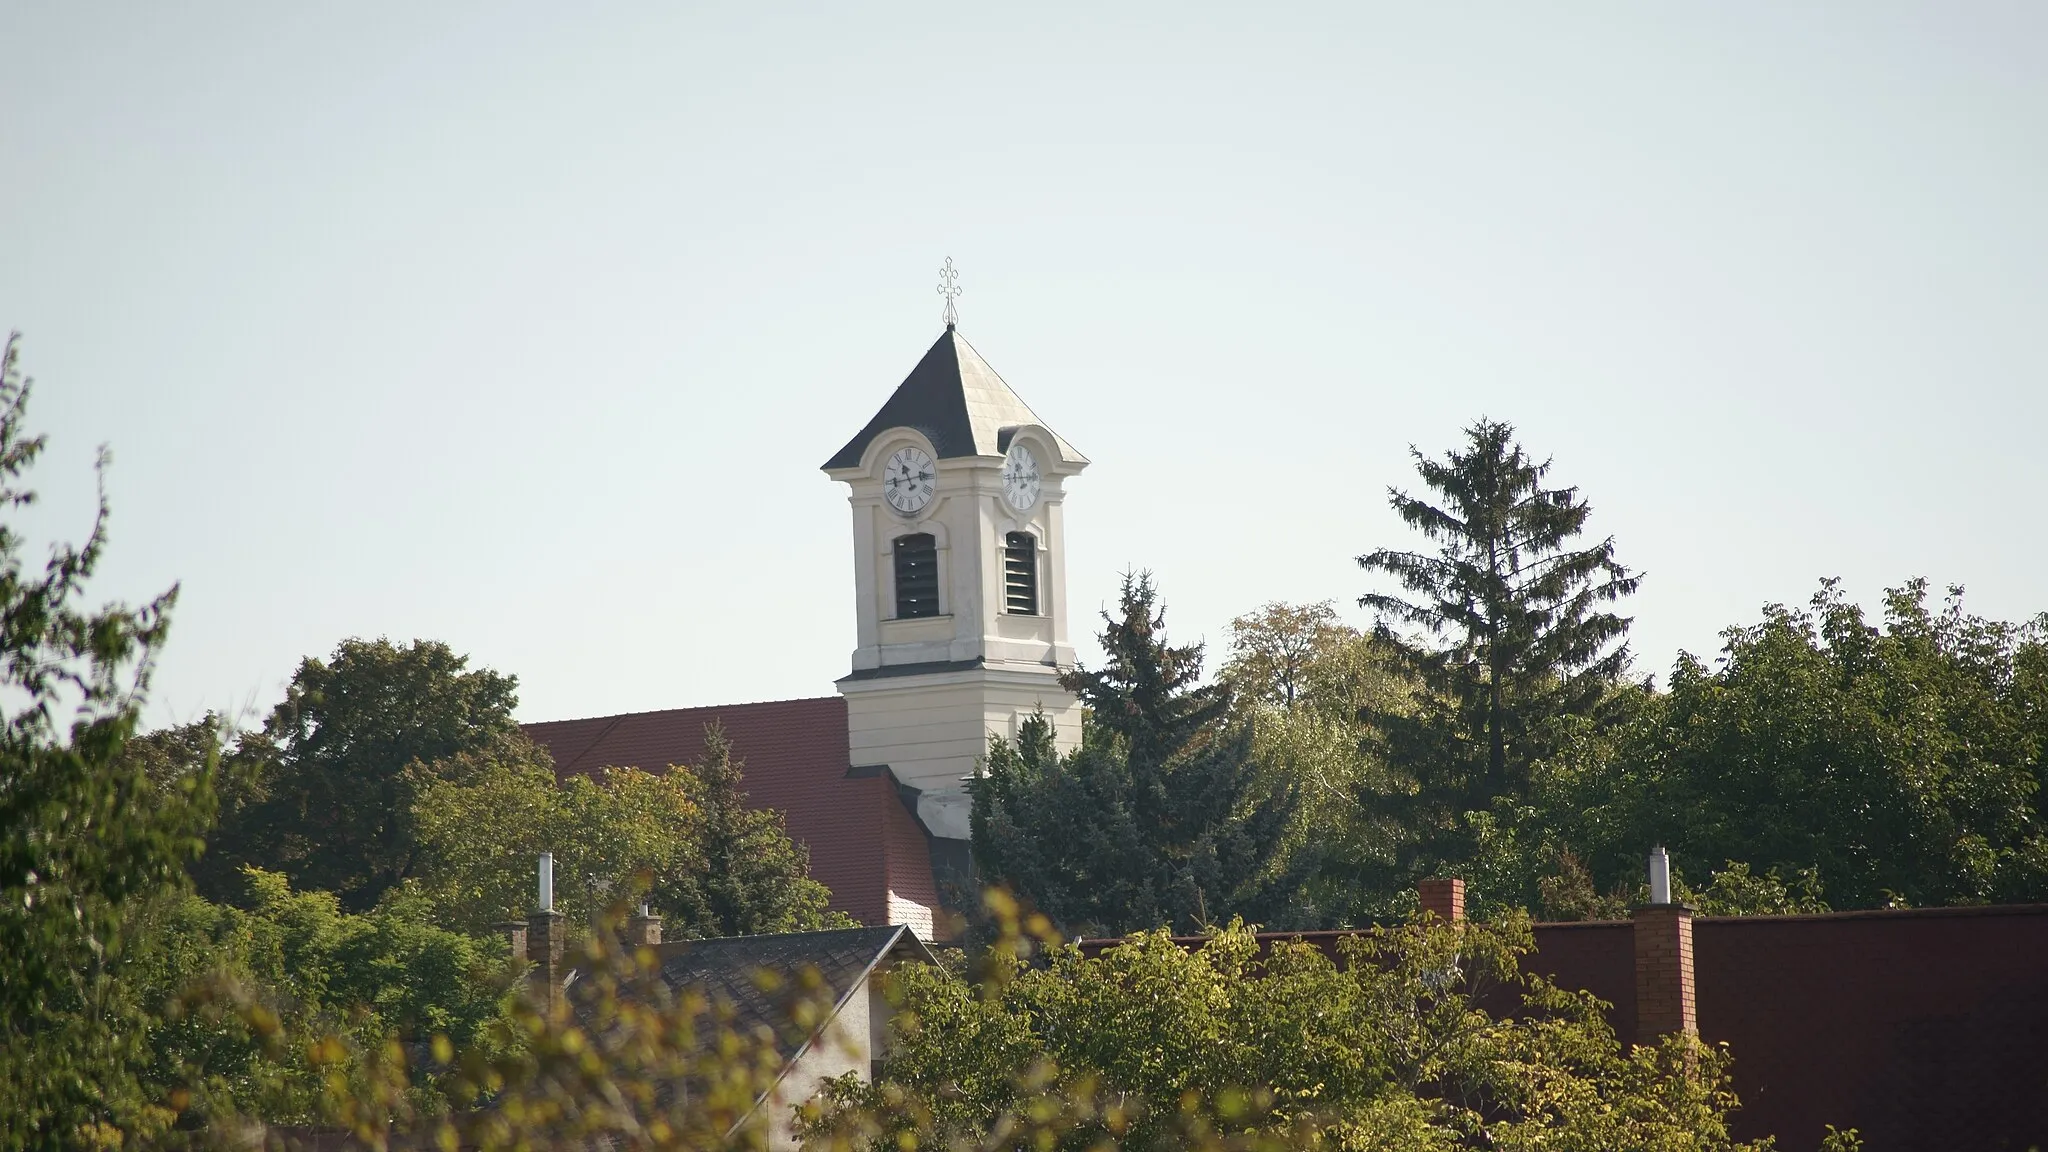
x=949, y=287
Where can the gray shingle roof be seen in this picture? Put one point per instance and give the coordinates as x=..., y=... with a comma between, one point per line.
x=957, y=401
x=725, y=968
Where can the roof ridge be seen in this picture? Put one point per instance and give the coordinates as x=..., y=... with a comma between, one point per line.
x=617, y=716
x=787, y=935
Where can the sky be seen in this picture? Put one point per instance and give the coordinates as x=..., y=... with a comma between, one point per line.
x=526, y=327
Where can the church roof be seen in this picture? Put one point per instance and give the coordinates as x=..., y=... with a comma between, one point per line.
x=864, y=844
x=957, y=401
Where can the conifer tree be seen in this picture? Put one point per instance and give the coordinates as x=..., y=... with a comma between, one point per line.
x=756, y=879
x=1513, y=635
x=1158, y=818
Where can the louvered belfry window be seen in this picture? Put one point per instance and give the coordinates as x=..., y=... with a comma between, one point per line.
x=917, y=576
x=1020, y=574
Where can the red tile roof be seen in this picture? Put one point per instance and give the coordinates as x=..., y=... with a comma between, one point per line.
x=864, y=844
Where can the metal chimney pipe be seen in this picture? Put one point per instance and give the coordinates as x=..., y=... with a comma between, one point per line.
x=1660, y=875
x=547, y=881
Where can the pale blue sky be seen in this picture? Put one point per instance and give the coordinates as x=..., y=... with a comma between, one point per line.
x=526, y=326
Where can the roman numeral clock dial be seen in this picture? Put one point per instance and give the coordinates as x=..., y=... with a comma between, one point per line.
x=1020, y=478
x=908, y=480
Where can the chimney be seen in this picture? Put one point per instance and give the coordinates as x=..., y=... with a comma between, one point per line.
x=643, y=929
x=515, y=934
x=1665, y=996
x=546, y=937
x=1443, y=899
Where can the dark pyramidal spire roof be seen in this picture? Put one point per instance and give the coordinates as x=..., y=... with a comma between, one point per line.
x=957, y=401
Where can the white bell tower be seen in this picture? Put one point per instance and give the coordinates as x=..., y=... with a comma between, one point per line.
x=959, y=565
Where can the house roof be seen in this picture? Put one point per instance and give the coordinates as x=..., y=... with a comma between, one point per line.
x=864, y=844
x=727, y=969
x=729, y=972
x=957, y=401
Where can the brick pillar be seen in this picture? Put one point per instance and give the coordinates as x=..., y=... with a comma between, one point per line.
x=1443, y=899
x=546, y=940
x=514, y=932
x=1665, y=997
x=643, y=929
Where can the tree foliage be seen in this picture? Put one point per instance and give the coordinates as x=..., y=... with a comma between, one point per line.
x=1036, y=1045
x=1301, y=656
x=87, y=838
x=1508, y=634
x=684, y=839
x=1865, y=765
x=1303, y=681
x=627, y=1062
x=754, y=878
x=483, y=825
x=1386, y=1045
x=1159, y=817
x=326, y=790
x=224, y=976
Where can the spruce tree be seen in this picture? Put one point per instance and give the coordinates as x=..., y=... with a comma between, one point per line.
x=1508, y=633
x=1158, y=818
x=756, y=879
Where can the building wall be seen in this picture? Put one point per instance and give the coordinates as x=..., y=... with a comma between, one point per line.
x=846, y=1046
x=1923, y=1029
x=931, y=729
x=1596, y=957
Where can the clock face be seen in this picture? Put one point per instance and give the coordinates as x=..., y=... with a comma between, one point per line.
x=1020, y=478
x=909, y=480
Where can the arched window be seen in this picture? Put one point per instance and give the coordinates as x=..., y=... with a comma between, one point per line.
x=1020, y=574
x=917, y=576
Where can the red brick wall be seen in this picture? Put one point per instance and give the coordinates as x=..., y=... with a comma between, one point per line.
x=1924, y=1029
x=1443, y=899
x=1665, y=987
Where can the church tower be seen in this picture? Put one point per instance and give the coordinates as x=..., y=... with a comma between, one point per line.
x=959, y=573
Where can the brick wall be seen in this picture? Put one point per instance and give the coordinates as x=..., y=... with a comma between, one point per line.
x=1924, y=1029
x=1665, y=983
x=1443, y=899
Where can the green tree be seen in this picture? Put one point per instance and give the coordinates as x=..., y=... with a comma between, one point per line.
x=87, y=837
x=1509, y=635
x=296, y=960
x=637, y=1064
x=170, y=757
x=484, y=823
x=682, y=839
x=1159, y=817
x=332, y=778
x=1302, y=680
x=1900, y=764
x=754, y=879
x=1384, y=1046
x=1301, y=656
